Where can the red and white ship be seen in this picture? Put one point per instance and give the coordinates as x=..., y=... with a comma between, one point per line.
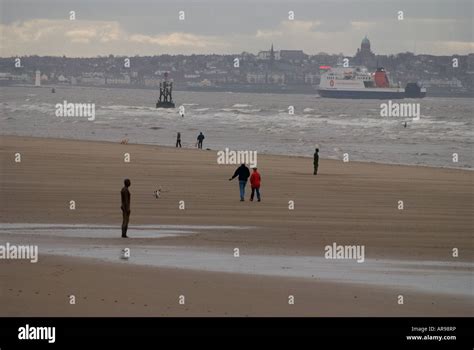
x=359, y=83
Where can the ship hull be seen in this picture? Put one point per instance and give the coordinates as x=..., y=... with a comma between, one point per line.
x=413, y=90
x=361, y=94
x=416, y=95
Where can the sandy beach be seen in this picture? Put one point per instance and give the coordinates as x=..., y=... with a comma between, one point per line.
x=350, y=203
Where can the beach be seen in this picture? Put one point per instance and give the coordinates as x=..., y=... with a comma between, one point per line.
x=203, y=221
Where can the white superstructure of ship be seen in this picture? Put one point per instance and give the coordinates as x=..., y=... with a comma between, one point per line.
x=358, y=82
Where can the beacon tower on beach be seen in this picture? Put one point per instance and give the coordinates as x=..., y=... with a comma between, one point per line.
x=165, y=100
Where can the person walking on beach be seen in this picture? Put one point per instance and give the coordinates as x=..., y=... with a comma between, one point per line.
x=255, y=184
x=316, y=161
x=243, y=173
x=200, y=138
x=178, y=140
x=125, y=195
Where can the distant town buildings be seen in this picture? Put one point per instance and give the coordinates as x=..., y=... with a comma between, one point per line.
x=293, y=56
x=270, y=70
x=443, y=83
x=89, y=78
x=268, y=55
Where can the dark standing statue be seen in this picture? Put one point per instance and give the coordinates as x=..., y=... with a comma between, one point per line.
x=125, y=199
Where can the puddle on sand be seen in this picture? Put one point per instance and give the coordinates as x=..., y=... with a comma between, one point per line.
x=427, y=276
x=108, y=231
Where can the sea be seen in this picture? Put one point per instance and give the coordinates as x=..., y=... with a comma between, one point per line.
x=355, y=129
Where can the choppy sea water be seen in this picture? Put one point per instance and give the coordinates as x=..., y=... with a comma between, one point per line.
x=257, y=122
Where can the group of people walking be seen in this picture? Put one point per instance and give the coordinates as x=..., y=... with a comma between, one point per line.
x=243, y=173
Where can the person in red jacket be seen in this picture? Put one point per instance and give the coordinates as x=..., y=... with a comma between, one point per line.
x=255, y=184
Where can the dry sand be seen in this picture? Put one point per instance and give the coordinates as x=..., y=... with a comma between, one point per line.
x=348, y=203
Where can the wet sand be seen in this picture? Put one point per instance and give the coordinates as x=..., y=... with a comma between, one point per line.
x=127, y=290
x=348, y=203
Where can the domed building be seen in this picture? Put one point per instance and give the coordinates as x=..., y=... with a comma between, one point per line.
x=365, y=45
x=365, y=56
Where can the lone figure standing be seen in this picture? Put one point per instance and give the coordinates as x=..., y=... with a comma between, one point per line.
x=255, y=184
x=178, y=140
x=316, y=161
x=125, y=195
x=200, y=138
x=243, y=173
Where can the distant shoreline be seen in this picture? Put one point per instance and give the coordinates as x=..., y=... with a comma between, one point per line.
x=259, y=89
x=309, y=157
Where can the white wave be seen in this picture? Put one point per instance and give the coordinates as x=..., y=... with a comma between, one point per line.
x=242, y=111
x=241, y=105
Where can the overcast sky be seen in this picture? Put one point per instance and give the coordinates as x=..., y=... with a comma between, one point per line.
x=152, y=27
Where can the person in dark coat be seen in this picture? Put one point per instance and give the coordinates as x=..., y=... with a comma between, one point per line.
x=316, y=161
x=243, y=173
x=200, y=138
x=125, y=195
x=178, y=140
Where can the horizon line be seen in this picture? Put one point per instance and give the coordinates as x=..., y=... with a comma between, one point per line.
x=229, y=54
